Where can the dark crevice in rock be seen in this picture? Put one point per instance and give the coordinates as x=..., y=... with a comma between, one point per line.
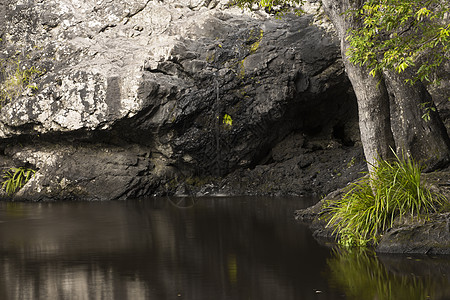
x=106, y=27
x=138, y=10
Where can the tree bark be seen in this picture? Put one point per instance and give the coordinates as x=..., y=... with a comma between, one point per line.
x=371, y=92
x=426, y=140
x=390, y=115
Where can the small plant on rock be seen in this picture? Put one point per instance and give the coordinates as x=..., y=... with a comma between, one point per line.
x=16, y=78
x=371, y=205
x=16, y=178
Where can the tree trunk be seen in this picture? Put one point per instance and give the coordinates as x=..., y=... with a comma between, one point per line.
x=424, y=139
x=371, y=92
x=374, y=114
x=389, y=109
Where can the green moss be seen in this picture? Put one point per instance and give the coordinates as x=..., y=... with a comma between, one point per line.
x=210, y=58
x=198, y=181
x=256, y=44
x=352, y=162
x=241, y=74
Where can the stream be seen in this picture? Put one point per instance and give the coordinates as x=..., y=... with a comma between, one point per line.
x=194, y=248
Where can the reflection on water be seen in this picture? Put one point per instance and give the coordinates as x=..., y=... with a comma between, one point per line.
x=361, y=275
x=218, y=248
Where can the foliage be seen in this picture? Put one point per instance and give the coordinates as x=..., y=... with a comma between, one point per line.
x=371, y=205
x=16, y=178
x=396, y=34
x=16, y=79
x=427, y=108
x=277, y=7
x=227, y=120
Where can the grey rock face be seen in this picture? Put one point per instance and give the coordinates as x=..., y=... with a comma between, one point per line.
x=137, y=95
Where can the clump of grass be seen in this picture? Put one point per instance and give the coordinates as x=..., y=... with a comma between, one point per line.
x=370, y=206
x=16, y=178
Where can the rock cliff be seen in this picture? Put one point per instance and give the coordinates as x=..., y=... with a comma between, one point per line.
x=137, y=98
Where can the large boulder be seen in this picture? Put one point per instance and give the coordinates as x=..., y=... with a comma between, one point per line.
x=134, y=97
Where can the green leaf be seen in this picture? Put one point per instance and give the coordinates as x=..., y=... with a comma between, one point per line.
x=16, y=178
x=227, y=120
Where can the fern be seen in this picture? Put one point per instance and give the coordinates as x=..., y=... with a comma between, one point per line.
x=16, y=178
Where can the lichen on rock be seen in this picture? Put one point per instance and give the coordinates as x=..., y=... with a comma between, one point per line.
x=132, y=88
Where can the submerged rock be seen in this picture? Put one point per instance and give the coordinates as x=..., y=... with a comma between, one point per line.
x=140, y=98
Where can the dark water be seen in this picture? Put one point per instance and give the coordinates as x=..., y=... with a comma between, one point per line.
x=217, y=248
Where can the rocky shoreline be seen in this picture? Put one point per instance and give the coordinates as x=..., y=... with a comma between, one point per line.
x=410, y=236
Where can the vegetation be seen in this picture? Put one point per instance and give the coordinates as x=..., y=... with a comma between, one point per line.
x=395, y=34
x=16, y=178
x=372, y=204
x=277, y=7
x=16, y=78
x=227, y=121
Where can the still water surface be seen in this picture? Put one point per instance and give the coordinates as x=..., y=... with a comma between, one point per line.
x=209, y=248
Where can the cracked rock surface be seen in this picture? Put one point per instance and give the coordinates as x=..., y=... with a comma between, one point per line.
x=138, y=98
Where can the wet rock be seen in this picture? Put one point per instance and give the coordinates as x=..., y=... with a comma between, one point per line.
x=432, y=237
x=316, y=218
x=114, y=172
x=307, y=173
